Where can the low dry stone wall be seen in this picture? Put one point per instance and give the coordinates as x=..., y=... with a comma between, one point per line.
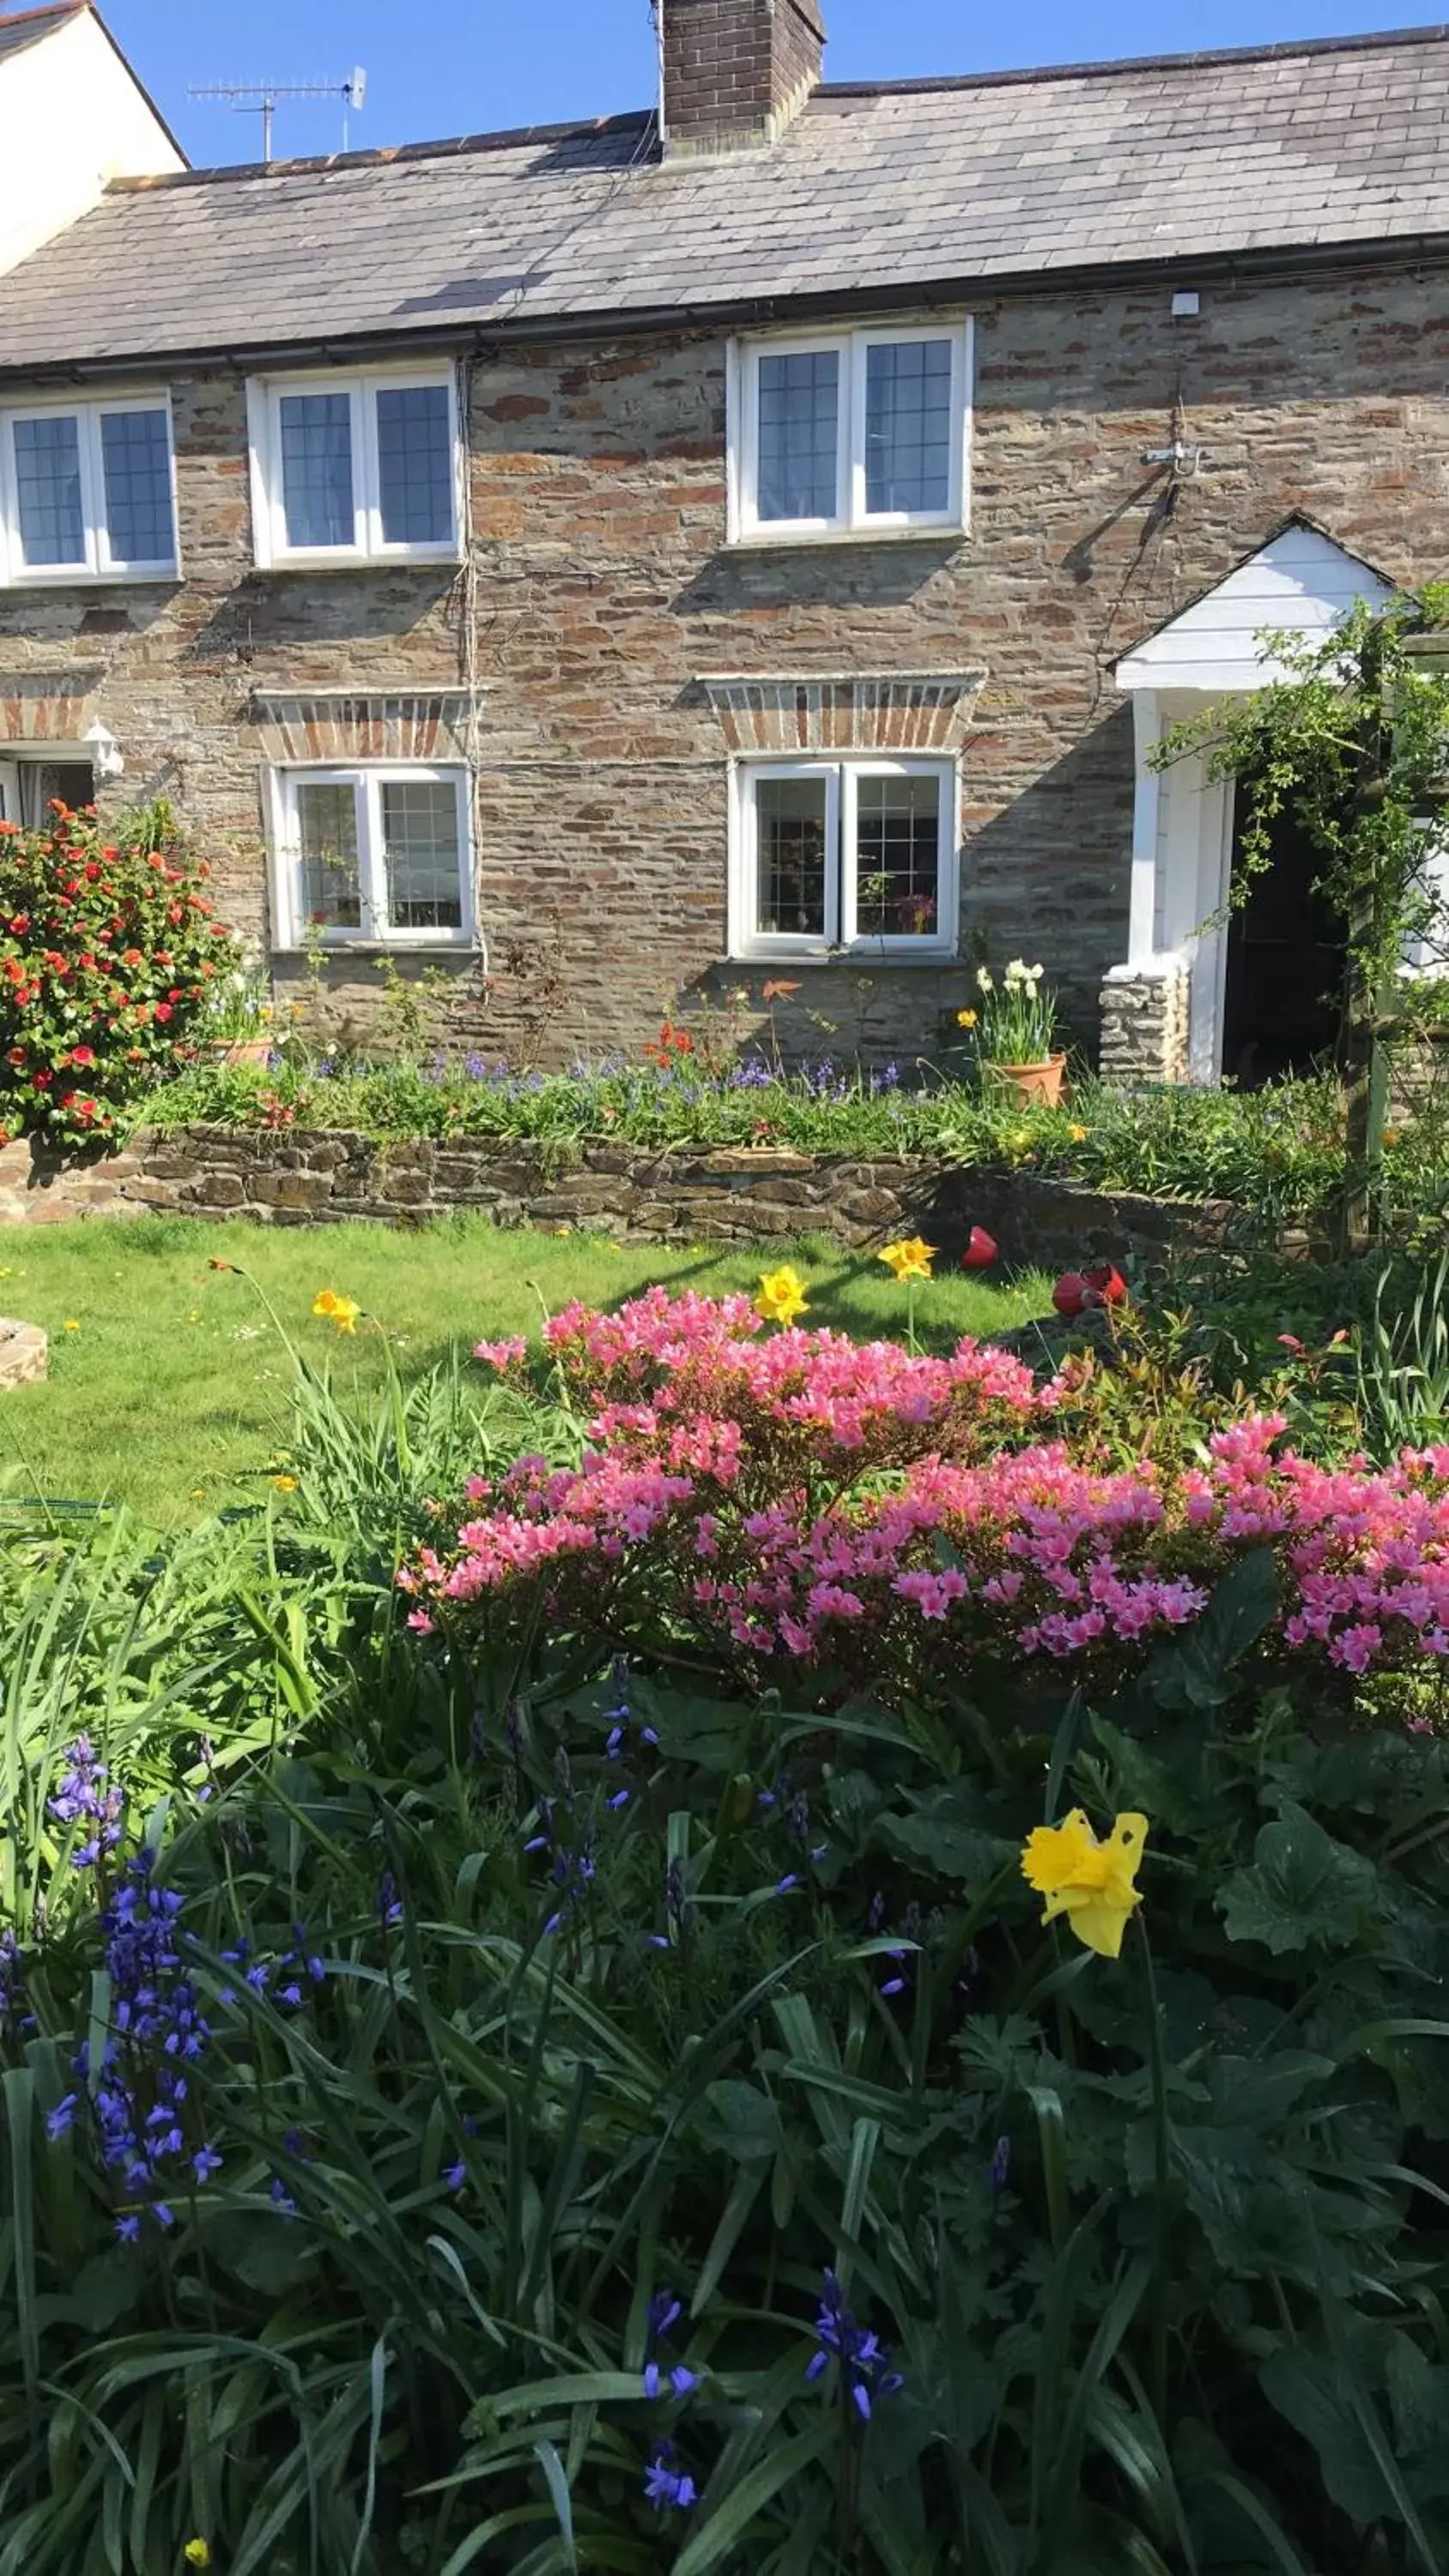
x=306, y=1177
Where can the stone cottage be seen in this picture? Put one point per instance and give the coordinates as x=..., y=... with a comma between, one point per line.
x=754, y=542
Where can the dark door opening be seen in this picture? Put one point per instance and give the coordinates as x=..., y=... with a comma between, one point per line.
x=1285, y=963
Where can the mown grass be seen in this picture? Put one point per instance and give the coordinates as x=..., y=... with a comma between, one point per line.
x=170, y=1383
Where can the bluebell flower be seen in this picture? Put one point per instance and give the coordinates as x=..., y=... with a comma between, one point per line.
x=389, y=1903
x=58, y=2121
x=205, y=2163
x=85, y=1798
x=128, y=2227
x=999, y=2169
x=667, y=2487
x=866, y=2374
x=14, y=2014
x=456, y=2175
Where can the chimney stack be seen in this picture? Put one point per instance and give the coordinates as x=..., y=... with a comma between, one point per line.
x=736, y=72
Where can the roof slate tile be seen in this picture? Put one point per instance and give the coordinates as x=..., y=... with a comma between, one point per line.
x=871, y=190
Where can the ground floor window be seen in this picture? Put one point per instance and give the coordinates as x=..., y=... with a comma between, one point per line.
x=372, y=854
x=29, y=787
x=849, y=854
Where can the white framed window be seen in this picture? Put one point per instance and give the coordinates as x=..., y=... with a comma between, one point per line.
x=854, y=855
x=849, y=433
x=355, y=469
x=378, y=853
x=88, y=491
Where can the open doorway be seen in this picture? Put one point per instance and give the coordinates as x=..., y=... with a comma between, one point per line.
x=28, y=786
x=1285, y=961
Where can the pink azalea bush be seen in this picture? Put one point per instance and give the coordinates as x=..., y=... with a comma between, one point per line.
x=795, y=1497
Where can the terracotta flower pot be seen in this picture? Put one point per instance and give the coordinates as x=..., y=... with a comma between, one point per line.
x=1034, y=1083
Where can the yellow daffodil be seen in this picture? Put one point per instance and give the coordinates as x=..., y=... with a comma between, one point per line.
x=1077, y=1134
x=1091, y=1883
x=966, y=1019
x=782, y=1296
x=197, y=2553
x=909, y=1260
x=71, y=1324
x=1393, y=1136
x=341, y=1311
x=285, y=1484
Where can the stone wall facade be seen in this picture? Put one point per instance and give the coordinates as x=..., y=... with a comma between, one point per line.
x=601, y=601
x=678, y=1195
x=1144, y=1035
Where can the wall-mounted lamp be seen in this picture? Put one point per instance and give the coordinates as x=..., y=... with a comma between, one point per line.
x=107, y=757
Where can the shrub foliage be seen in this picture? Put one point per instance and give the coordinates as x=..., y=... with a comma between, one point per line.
x=539, y=2090
x=107, y=950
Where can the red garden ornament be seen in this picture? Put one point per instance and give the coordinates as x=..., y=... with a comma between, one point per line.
x=1078, y=1292
x=981, y=1250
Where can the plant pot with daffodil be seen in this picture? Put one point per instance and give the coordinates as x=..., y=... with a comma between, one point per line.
x=1014, y=1025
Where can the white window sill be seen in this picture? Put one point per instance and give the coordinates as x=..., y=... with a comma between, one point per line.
x=869, y=953
x=418, y=943
x=758, y=540
x=347, y=559
x=80, y=577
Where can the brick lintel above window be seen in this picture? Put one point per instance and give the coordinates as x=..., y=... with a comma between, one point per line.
x=301, y=724
x=903, y=711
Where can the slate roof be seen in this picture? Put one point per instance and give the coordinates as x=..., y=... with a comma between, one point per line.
x=873, y=191
x=26, y=26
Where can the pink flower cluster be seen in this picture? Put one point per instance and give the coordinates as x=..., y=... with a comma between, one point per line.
x=800, y=1496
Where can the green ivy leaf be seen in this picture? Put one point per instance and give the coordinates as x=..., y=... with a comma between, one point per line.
x=1302, y=1891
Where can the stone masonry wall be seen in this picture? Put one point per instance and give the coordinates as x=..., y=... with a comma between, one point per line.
x=603, y=589
x=728, y=1195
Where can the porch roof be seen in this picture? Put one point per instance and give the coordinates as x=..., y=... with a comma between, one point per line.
x=1302, y=582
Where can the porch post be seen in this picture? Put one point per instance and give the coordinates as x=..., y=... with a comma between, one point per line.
x=1142, y=908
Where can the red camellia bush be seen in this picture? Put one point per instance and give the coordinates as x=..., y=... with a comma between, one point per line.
x=107, y=948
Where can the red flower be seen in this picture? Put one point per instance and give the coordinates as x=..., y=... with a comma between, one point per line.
x=20, y=924
x=16, y=1056
x=163, y=1010
x=1070, y=1294
x=82, y=1055
x=981, y=1250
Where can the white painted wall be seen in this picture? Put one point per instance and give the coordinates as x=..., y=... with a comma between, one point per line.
x=71, y=118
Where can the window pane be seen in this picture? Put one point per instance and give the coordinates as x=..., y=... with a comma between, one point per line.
x=420, y=839
x=799, y=420
x=136, y=460
x=908, y=426
x=327, y=832
x=48, y=484
x=790, y=836
x=415, y=465
x=898, y=858
x=317, y=469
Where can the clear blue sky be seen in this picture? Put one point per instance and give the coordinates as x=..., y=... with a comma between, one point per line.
x=457, y=66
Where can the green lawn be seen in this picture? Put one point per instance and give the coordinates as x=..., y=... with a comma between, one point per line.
x=169, y=1383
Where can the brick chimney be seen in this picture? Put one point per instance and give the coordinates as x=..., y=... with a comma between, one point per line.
x=736, y=72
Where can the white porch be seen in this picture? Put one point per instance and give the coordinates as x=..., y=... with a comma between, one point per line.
x=1163, y=1007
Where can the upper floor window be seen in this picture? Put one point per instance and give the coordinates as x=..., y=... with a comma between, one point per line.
x=856, y=854
x=88, y=492
x=379, y=855
x=346, y=469
x=856, y=433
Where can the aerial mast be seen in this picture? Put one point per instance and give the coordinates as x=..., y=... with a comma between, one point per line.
x=261, y=98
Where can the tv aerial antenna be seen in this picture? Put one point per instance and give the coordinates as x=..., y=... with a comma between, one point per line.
x=261, y=98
